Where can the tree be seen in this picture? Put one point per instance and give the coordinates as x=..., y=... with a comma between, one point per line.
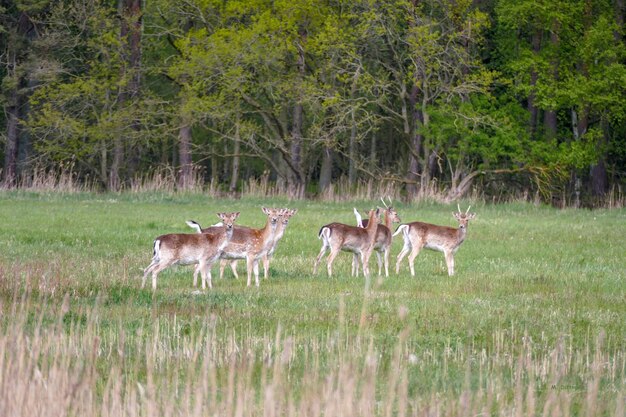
x=18, y=22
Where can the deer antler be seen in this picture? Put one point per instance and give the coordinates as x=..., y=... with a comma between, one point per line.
x=458, y=207
x=385, y=204
x=468, y=209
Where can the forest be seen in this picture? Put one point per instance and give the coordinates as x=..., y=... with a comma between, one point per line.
x=502, y=99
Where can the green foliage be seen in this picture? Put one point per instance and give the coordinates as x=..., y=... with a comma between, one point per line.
x=367, y=76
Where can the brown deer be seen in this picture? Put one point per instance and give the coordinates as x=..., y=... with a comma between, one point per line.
x=246, y=243
x=280, y=231
x=382, y=244
x=339, y=236
x=283, y=221
x=180, y=248
x=418, y=235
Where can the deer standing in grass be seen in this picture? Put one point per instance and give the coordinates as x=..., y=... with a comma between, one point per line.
x=181, y=248
x=247, y=243
x=382, y=244
x=418, y=235
x=339, y=236
x=280, y=231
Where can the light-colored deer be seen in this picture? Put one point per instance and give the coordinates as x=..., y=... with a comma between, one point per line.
x=418, y=235
x=280, y=231
x=247, y=243
x=382, y=244
x=181, y=248
x=342, y=237
x=283, y=221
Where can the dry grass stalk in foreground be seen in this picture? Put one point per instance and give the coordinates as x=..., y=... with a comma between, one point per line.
x=66, y=368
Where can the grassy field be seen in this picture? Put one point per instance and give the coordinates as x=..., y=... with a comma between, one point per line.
x=533, y=322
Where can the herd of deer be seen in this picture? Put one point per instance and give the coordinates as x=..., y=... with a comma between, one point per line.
x=228, y=243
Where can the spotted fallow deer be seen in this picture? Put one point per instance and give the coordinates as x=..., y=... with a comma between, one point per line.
x=342, y=237
x=382, y=244
x=201, y=249
x=418, y=235
x=248, y=243
x=283, y=221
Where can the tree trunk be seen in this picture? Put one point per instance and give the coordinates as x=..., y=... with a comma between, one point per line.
x=372, y=158
x=235, y=168
x=352, y=153
x=416, y=143
x=215, y=171
x=599, y=178
x=326, y=169
x=130, y=41
x=13, y=57
x=184, y=152
x=296, y=183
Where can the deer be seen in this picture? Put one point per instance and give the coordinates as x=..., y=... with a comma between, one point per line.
x=280, y=230
x=342, y=237
x=182, y=248
x=418, y=235
x=382, y=244
x=246, y=243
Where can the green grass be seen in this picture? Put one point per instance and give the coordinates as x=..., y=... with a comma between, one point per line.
x=528, y=280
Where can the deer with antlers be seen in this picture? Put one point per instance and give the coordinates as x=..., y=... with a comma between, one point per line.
x=181, y=248
x=418, y=235
x=283, y=221
x=247, y=243
x=382, y=244
x=342, y=237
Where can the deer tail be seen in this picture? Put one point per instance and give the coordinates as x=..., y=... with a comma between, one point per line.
x=324, y=233
x=403, y=228
x=194, y=225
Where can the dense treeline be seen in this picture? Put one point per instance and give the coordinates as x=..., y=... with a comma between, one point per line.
x=435, y=96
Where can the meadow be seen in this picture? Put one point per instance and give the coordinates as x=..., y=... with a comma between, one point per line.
x=532, y=323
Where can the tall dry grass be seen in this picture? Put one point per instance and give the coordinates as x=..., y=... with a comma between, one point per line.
x=84, y=368
x=62, y=179
x=165, y=179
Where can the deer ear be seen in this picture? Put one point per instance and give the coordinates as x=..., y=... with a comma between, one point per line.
x=236, y=214
x=265, y=210
x=220, y=215
x=455, y=215
x=471, y=216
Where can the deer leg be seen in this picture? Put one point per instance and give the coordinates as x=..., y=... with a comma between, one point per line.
x=222, y=267
x=450, y=262
x=147, y=271
x=266, y=266
x=249, y=267
x=380, y=263
x=365, y=259
x=405, y=250
x=329, y=265
x=155, y=272
x=256, y=272
x=196, y=271
x=386, y=261
x=202, y=267
x=319, y=257
x=412, y=256
x=233, y=267
x=355, y=265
